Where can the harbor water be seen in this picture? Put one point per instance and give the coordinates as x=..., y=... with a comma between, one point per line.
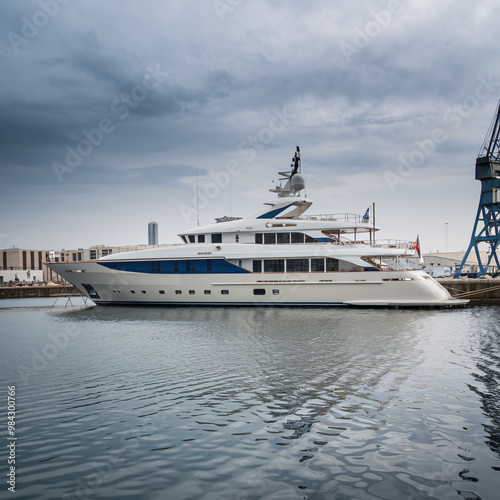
x=250, y=403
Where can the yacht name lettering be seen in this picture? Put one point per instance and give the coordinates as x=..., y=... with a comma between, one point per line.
x=204, y=253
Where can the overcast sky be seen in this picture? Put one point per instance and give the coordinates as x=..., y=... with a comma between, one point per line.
x=109, y=108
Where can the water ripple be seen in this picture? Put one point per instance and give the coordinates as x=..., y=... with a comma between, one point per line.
x=198, y=404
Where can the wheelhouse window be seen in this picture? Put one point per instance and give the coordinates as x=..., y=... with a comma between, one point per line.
x=297, y=265
x=217, y=238
x=332, y=264
x=317, y=265
x=258, y=238
x=274, y=266
x=297, y=237
x=184, y=239
x=257, y=266
x=201, y=238
x=270, y=238
x=282, y=238
x=191, y=238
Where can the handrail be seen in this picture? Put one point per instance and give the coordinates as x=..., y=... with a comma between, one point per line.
x=345, y=217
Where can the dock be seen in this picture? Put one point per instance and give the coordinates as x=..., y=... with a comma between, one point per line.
x=24, y=292
x=478, y=291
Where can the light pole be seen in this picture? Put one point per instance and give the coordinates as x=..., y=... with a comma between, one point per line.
x=446, y=224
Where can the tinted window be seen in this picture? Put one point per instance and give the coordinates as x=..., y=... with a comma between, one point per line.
x=317, y=265
x=274, y=266
x=297, y=265
x=283, y=237
x=257, y=266
x=332, y=264
x=269, y=238
x=217, y=238
x=259, y=291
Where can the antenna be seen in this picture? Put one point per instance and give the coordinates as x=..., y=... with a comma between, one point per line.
x=294, y=180
x=197, y=199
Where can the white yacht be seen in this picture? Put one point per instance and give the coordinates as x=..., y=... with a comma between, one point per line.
x=277, y=256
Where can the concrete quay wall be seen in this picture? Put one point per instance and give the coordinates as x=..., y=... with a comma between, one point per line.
x=486, y=291
x=23, y=292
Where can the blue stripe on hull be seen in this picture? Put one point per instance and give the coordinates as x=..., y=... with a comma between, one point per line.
x=186, y=266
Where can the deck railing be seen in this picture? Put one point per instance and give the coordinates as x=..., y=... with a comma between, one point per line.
x=342, y=217
x=400, y=244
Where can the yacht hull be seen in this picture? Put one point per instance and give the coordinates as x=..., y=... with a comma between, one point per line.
x=361, y=289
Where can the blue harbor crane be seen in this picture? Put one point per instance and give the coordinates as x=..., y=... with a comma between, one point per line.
x=487, y=224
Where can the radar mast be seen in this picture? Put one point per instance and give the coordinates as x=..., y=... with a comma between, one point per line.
x=295, y=182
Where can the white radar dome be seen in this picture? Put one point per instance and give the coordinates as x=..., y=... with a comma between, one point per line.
x=297, y=182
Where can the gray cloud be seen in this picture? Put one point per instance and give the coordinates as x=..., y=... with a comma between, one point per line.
x=222, y=81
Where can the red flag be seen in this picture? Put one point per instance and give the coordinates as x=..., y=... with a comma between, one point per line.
x=416, y=246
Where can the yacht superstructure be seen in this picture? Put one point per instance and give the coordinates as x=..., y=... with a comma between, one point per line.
x=276, y=256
